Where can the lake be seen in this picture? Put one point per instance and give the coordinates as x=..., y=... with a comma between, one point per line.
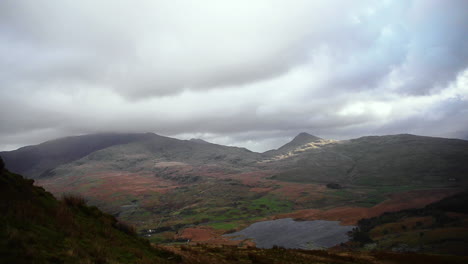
x=288, y=233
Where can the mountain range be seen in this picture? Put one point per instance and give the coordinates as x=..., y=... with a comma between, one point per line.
x=173, y=189
x=394, y=159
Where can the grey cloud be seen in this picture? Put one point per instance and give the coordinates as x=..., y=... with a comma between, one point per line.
x=437, y=50
x=139, y=54
x=253, y=73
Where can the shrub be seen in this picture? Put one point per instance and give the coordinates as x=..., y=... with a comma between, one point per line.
x=360, y=236
x=74, y=200
x=334, y=186
x=126, y=228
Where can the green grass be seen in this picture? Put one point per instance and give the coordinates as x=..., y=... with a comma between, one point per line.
x=271, y=204
x=225, y=226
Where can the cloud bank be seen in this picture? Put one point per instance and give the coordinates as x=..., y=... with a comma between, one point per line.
x=247, y=73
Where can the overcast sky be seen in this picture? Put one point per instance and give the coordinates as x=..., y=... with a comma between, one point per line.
x=247, y=73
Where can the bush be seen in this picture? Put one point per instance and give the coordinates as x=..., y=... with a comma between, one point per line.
x=360, y=236
x=334, y=186
x=126, y=228
x=74, y=200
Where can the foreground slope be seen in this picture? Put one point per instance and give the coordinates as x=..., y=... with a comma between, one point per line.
x=37, y=228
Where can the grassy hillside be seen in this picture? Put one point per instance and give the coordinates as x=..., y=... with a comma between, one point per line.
x=37, y=228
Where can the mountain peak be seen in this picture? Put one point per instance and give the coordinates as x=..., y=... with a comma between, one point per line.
x=301, y=139
x=199, y=140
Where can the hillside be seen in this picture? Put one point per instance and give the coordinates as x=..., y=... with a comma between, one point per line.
x=37, y=228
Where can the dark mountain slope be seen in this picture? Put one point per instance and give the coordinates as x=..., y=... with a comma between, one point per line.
x=33, y=161
x=196, y=152
x=36, y=228
x=382, y=160
x=127, y=151
x=153, y=155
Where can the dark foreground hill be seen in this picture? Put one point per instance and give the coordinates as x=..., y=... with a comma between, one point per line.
x=37, y=228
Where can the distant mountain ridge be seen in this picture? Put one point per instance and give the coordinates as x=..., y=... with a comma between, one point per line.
x=393, y=159
x=32, y=161
x=37, y=161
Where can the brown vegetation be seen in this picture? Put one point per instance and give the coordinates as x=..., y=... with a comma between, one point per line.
x=396, y=202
